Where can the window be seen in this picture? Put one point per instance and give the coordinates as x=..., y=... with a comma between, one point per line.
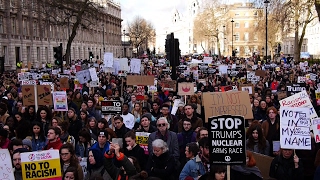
x=13, y=24
x=25, y=26
x=246, y=36
x=236, y=14
x=237, y=25
x=236, y=36
x=255, y=37
x=246, y=24
x=1, y=24
x=28, y=54
x=38, y=54
x=35, y=28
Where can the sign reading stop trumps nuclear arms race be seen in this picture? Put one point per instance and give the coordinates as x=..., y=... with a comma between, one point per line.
x=227, y=136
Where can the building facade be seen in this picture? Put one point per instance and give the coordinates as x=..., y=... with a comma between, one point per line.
x=25, y=37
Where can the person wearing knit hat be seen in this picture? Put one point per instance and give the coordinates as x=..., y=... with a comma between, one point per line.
x=27, y=144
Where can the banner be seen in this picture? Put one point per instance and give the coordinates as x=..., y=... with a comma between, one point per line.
x=231, y=102
x=299, y=100
x=6, y=171
x=111, y=107
x=41, y=165
x=60, y=101
x=295, y=128
x=142, y=140
x=228, y=141
x=185, y=89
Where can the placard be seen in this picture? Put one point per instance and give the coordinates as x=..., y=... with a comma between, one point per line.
x=44, y=95
x=293, y=88
x=94, y=84
x=247, y=87
x=111, y=107
x=301, y=79
x=64, y=82
x=232, y=102
x=6, y=171
x=260, y=73
x=140, y=80
x=108, y=59
x=169, y=85
x=28, y=98
x=60, y=101
x=299, y=100
x=93, y=74
x=142, y=140
x=41, y=165
x=295, y=128
x=28, y=82
x=185, y=89
x=316, y=129
x=228, y=141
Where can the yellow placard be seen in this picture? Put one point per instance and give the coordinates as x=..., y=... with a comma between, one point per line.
x=317, y=95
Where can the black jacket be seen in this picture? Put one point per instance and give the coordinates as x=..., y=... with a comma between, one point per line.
x=284, y=169
x=162, y=167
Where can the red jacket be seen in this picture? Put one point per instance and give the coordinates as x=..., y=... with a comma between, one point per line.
x=274, y=85
x=53, y=145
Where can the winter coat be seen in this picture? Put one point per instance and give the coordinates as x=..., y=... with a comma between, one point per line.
x=162, y=166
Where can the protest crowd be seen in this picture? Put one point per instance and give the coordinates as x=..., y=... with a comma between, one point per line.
x=129, y=119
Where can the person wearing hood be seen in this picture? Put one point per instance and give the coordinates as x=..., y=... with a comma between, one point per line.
x=95, y=165
x=246, y=172
x=186, y=136
x=53, y=139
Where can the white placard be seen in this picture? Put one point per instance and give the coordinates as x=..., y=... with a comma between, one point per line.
x=175, y=106
x=83, y=76
x=116, y=65
x=108, y=59
x=94, y=84
x=23, y=76
x=93, y=74
x=135, y=66
x=6, y=171
x=124, y=64
x=295, y=128
x=207, y=60
x=300, y=99
x=223, y=69
x=316, y=129
x=301, y=79
x=30, y=82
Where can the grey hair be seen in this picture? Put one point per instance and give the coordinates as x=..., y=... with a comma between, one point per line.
x=164, y=119
x=159, y=143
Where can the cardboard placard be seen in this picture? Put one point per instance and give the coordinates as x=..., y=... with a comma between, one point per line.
x=169, y=85
x=247, y=87
x=263, y=163
x=233, y=102
x=291, y=77
x=281, y=95
x=140, y=80
x=185, y=89
x=28, y=95
x=260, y=73
x=64, y=83
x=44, y=95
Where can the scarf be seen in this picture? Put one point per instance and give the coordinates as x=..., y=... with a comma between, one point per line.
x=163, y=137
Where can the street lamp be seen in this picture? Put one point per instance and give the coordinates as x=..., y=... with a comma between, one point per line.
x=124, y=39
x=103, y=37
x=232, y=21
x=266, y=2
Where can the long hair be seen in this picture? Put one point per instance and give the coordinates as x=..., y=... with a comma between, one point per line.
x=255, y=125
x=41, y=135
x=73, y=170
x=73, y=159
x=251, y=162
x=47, y=110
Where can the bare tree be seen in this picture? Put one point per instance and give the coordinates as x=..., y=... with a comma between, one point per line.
x=210, y=23
x=69, y=13
x=141, y=32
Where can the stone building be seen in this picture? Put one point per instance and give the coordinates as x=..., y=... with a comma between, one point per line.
x=25, y=37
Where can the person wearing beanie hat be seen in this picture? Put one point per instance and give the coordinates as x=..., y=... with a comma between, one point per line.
x=102, y=144
x=27, y=143
x=95, y=165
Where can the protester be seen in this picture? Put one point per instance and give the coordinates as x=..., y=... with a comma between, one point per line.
x=256, y=142
x=68, y=158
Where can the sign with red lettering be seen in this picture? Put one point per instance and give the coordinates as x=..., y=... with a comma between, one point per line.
x=140, y=93
x=300, y=99
x=185, y=89
x=316, y=129
x=235, y=103
x=111, y=107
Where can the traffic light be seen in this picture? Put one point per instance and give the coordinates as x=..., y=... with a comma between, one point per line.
x=58, y=55
x=90, y=55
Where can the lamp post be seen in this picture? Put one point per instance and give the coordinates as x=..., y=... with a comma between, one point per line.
x=232, y=21
x=124, y=39
x=266, y=2
x=103, y=38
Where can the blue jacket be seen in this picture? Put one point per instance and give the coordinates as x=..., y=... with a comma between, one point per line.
x=37, y=144
x=105, y=148
x=193, y=168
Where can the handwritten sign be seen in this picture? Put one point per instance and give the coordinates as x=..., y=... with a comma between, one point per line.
x=108, y=59
x=44, y=95
x=83, y=76
x=185, y=89
x=300, y=100
x=28, y=95
x=142, y=140
x=316, y=129
x=233, y=102
x=6, y=171
x=247, y=87
x=135, y=66
x=295, y=128
x=41, y=165
x=29, y=82
x=140, y=80
x=64, y=82
x=93, y=74
x=169, y=85
x=227, y=134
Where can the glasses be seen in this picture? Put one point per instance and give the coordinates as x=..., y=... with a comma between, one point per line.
x=163, y=124
x=64, y=154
